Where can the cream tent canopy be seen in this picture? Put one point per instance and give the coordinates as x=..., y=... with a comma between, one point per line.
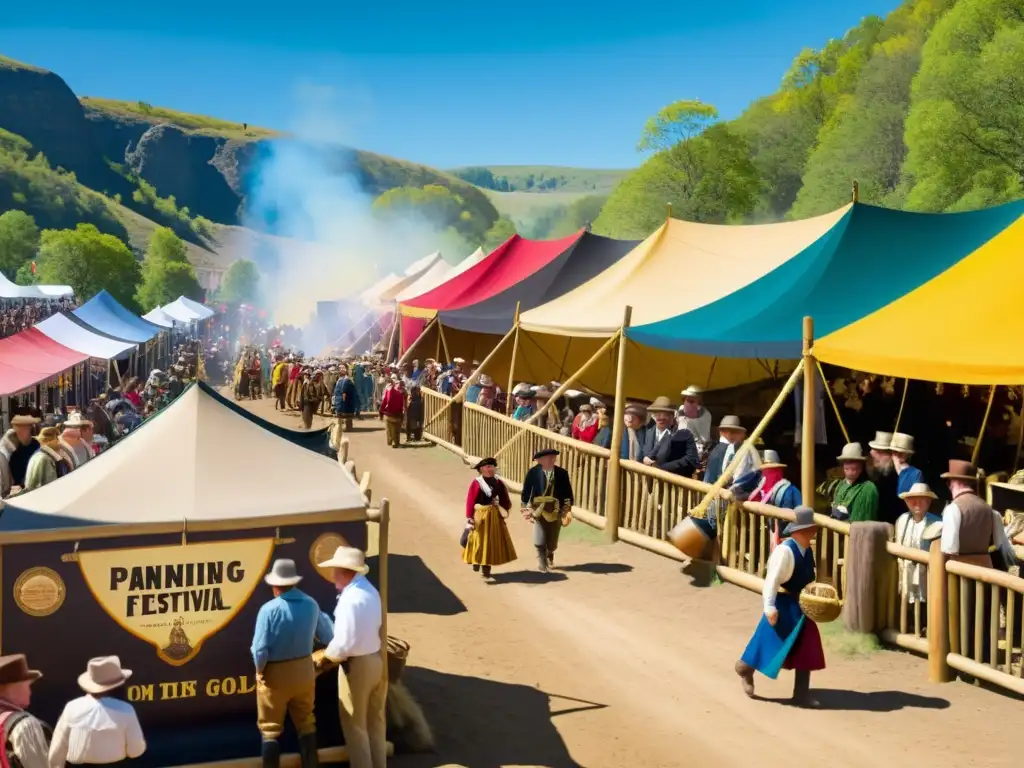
x=198, y=461
x=440, y=272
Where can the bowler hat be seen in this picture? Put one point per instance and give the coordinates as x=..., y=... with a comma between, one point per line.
x=14, y=669
x=804, y=519
x=961, y=470
x=283, y=574
x=488, y=462
x=545, y=452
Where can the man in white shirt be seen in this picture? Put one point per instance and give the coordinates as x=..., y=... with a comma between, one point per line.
x=362, y=686
x=96, y=729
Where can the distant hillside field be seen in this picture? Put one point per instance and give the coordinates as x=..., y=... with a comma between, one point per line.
x=522, y=206
x=200, y=124
x=544, y=179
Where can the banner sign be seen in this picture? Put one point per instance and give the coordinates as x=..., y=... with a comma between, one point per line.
x=176, y=597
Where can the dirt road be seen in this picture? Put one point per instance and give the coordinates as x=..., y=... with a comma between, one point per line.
x=617, y=659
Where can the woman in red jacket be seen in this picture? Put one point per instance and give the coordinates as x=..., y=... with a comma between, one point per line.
x=585, y=426
x=392, y=410
x=488, y=543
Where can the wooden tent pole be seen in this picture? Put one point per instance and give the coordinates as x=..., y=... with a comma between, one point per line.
x=444, y=342
x=405, y=357
x=613, y=339
x=984, y=423
x=808, y=437
x=382, y=578
x=1020, y=436
x=396, y=319
x=461, y=394
x=613, y=495
x=512, y=366
x=437, y=347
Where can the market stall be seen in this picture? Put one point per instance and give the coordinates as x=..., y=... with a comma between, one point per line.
x=156, y=551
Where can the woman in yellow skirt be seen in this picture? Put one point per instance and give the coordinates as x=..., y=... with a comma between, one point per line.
x=488, y=542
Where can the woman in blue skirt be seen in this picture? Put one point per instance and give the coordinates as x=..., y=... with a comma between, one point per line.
x=785, y=638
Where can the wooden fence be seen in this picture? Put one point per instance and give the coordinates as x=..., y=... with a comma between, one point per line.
x=973, y=621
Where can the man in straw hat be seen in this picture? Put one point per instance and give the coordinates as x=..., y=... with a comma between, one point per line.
x=16, y=448
x=72, y=446
x=282, y=650
x=665, y=445
x=916, y=528
x=362, y=687
x=97, y=729
x=856, y=497
x=26, y=736
x=785, y=638
x=692, y=415
x=547, y=500
x=745, y=476
x=46, y=464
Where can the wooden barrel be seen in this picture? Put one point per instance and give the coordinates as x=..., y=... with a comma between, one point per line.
x=691, y=538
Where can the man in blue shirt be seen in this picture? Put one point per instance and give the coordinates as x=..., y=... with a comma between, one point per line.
x=282, y=649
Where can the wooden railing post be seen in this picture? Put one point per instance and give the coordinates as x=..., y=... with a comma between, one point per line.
x=938, y=615
x=613, y=493
x=382, y=578
x=808, y=432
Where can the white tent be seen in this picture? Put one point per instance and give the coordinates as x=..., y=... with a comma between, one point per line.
x=215, y=464
x=10, y=290
x=180, y=312
x=64, y=330
x=161, y=318
x=201, y=310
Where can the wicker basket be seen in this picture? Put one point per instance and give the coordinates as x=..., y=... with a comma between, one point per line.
x=398, y=653
x=820, y=602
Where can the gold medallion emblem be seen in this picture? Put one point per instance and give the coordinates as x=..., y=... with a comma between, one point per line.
x=322, y=550
x=39, y=591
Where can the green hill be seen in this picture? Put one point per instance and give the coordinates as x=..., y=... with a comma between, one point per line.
x=541, y=178
x=201, y=125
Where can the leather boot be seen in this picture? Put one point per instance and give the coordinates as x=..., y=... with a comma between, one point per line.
x=802, y=696
x=271, y=753
x=307, y=751
x=487, y=571
x=746, y=673
x=551, y=559
x=542, y=559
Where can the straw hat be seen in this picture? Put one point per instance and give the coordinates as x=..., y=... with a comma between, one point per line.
x=486, y=381
x=901, y=443
x=731, y=422
x=852, y=452
x=804, y=520
x=770, y=460
x=103, y=674
x=349, y=558
x=597, y=403
x=919, y=491
x=48, y=435
x=24, y=420
x=76, y=421
x=961, y=470
x=881, y=442
x=283, y=574
x=458, y=360
x=542, y=393
x=661, y=405
x=692, y=391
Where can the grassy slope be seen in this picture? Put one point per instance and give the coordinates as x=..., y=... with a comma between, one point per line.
x=589, y=181
x=201, y=124
x=12, y=64
x=520, y=206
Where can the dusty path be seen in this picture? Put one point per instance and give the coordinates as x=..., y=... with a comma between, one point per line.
x=618, y=660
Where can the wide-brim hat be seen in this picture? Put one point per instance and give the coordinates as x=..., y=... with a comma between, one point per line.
x=488, y=462
x=852, y=452
x=770, y=460
x=692, y=391
x=961, y=470
x=919, y=490
x=102, y=674
x=542, y=393
x=804, y=519
x=526, y=395
x=636, y=409
x=881, y=442
x=458, y=360
x=75, y=421
x=486, y=381
x=14, y=669
x=731, y=422
x=283, y=574
x=545, y=452
x=349, y=558
x=901, y=443
x=586, y=408
x=24, y=420
x=661, y=405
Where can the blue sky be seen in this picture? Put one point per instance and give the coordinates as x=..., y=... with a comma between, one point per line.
x=446, y=84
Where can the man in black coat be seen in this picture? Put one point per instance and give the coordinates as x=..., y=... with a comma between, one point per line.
x=746, y=476
x=547, y=499
x=667, y=447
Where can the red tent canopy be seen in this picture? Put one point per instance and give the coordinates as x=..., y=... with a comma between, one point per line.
x=30, y=357
x=512, y=261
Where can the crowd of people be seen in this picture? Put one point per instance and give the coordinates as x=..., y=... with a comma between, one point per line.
x=17, y=315
x=39, y=447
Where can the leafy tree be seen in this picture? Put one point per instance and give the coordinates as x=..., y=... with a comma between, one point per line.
x=963, y=131
x=19, y=240
x=241, y=282
x=166, y=272
x=25, y=275
x=679, y=121
x=502, y=230
x=89, y=262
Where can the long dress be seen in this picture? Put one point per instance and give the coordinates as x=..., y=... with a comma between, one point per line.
x=794, y=642
x=489, y=543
